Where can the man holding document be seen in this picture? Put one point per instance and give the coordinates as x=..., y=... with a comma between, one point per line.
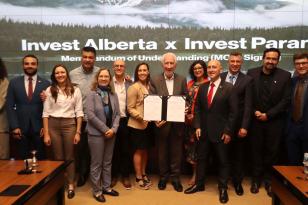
x=170, y=134
x=215, y=116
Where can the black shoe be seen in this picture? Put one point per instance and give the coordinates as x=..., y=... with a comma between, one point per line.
x=111, y=192
x=223, y=196
x=238, y=189
x=81, y=181
x=254, y=187
x=177, y=186
x=70, y=194
x=99, y=198
x=162, y=184
x=268, y=189
x=193, y=189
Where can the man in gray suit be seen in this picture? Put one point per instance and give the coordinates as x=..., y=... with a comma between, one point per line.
x=25, y=107
x=169, y=134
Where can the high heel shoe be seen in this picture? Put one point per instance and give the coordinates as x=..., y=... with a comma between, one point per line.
x=70, y=193
x=147, y=179
x=142, y=184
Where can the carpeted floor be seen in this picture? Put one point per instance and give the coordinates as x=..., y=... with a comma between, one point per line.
x=153, y=196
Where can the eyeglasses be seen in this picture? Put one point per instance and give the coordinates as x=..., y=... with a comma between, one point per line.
x=198, y=68
x=301, y=63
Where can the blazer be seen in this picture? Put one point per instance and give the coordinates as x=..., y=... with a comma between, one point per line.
x=4, y=127
x=304, y=120
x=221, y=116
x=135, y=96
x=243, y=90
x=96, y=116
x=23, y=113
x=280, y=92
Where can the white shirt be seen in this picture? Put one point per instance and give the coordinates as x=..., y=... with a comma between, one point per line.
x=169, y=83
x=66, y=106
x=216, y=83
x=34, y=80
x=121, y=93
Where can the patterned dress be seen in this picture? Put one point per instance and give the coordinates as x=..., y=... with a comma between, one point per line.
x=190, y=143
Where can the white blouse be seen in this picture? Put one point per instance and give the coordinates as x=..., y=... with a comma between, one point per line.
x=66, y=106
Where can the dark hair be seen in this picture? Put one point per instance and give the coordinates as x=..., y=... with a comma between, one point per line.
x=95, y=80
x=271, y=50
x=69, y=86
x=30, y=56
x=191, y=69
x=3, y=72
x=137, y=69
x=89, y=49
x=235, y=53
x=297, y=56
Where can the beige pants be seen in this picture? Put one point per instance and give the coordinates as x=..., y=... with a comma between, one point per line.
x=62, y=132
x=4, y=145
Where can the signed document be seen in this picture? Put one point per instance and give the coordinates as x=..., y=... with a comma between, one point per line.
x=152, y=108
x=176, y=109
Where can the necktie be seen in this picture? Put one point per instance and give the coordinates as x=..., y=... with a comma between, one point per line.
x=297, y=107
x=210, y=95
x=30, y=88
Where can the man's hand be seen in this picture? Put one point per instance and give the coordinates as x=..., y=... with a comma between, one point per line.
x=160, y=123
x=226, y=138
x=261, y=116
x=242, y=133
x=17, y=133
x=198, y=133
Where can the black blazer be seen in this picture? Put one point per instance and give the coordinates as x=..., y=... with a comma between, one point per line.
x=243, y=90
x=280, y=92
x=220, y=117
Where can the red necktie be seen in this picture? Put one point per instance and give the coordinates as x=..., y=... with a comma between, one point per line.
x=210, y=95
x=30, y=88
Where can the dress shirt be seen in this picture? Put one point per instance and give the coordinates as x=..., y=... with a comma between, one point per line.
x=234, y=78
x=169, y=83
x=34, y=80
x=216, y=83
x=121, y=93
x=66, y=106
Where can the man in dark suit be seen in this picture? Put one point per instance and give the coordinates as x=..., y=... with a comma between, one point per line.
x=215, y=116
x=297, y=129
x=169, y=134
x=243, y=89
x=271, y=97
x=25, y=107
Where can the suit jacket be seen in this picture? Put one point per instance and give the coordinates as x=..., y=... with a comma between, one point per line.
x=243, y=90
x=135, y=96
x=220, y=117
x=23, y=113
x=158, y=86
x=304, y=120
x=280, y=92
x=96, y=116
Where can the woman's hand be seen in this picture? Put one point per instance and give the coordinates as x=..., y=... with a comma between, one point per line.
x=47, y=139
x=77, y=138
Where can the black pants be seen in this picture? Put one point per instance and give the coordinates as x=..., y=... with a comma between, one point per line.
x=82, y=154
x=237, y=157
x=265, y=139
x=204, y=149
x=122, y=161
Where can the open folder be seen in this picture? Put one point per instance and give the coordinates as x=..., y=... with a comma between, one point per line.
x=170, y=108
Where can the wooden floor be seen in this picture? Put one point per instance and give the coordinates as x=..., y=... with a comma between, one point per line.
x=153, y=196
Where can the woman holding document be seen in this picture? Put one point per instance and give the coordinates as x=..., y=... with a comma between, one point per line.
x=140, y=129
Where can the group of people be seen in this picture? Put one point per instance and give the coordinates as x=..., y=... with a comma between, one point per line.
x=95, y=119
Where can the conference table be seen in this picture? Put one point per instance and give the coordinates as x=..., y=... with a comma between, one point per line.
x=44, y=187
x=289, y=185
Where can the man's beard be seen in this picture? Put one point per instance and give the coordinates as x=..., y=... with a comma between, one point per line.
x=30, y=73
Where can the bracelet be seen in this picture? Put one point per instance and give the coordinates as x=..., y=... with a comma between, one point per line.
x=78, y=132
